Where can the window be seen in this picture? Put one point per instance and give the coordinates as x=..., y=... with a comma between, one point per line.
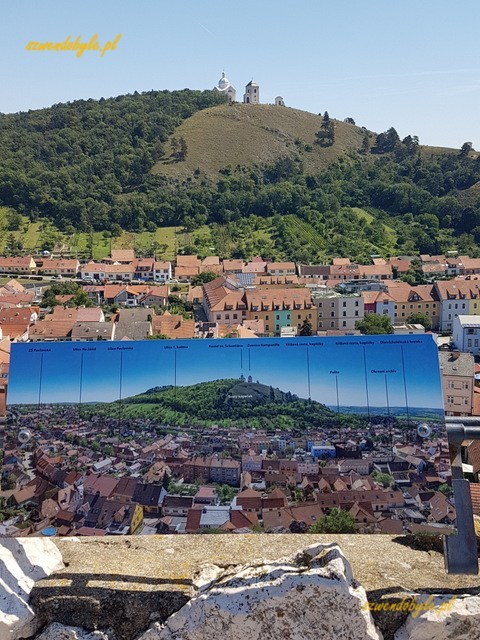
x=235, y=316
x=320, y=325
x=344, y=323
x=332, y=325
x=277, y=317
x=356, y=303
x=356, y=313
x=227, y=316
x=332, y=314
x=219, y=317
x=299, y=317
x=450, y=399
x=344, y=304
x=288, y=316
x=344, y=314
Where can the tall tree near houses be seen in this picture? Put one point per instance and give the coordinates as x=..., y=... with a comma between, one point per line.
x=306, y=328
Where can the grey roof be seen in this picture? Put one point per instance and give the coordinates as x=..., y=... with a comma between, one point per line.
x=89, y=330
x=132, y=330
x=131, y=315
x=453, y=363
x=466, y=320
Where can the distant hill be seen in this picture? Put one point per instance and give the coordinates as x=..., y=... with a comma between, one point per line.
x=227, y=402
x=246, y=135
x=82, y=173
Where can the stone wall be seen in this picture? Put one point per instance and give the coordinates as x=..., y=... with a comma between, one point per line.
x=264, y=587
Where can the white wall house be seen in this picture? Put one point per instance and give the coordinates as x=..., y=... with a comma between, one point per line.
x=162, y=271
x=466, y=334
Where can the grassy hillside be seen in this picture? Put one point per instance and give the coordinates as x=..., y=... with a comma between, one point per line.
x=89, y=176
x=245, y=135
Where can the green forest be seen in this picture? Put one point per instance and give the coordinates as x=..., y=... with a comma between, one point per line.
x=86, y=166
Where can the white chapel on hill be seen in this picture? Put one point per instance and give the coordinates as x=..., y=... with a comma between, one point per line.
x=251, y=95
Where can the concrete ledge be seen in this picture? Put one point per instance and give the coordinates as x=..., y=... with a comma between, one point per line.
x=126, y=583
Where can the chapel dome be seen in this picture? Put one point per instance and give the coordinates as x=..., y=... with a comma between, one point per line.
x=224, y=82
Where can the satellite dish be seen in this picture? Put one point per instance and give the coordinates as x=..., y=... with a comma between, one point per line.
x=24, y=436
x=424, y=430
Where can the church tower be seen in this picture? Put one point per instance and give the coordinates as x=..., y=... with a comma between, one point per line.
x=252, y=93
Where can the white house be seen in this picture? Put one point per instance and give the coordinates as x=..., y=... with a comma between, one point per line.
x=466, y=334
x=162, y=271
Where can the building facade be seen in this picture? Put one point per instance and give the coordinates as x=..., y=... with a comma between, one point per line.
x=458, y=381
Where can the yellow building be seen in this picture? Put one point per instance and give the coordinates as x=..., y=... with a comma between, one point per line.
x=279, y=308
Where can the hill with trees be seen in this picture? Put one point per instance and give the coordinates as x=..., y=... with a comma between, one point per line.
x=310, y=185
x=226, y=402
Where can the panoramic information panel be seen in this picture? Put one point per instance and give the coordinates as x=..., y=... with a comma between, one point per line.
x=351, y=423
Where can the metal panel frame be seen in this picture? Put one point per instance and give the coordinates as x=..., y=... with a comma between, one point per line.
x=460, y=549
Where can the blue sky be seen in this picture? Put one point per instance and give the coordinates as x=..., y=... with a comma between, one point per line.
x=283, y=365
x=411, y=64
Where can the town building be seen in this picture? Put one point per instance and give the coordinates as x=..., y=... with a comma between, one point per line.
x=458, y=380
x=281, y=307
x=337, y=311
x=466, y=333
x=457, y=298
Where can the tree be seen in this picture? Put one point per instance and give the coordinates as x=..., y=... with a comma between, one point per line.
x=14, y=221
x=373, y=323
x=182, y=154
x=445, y=489
x=202, y=278
x=175, y=146
x=384, y=479
x=306, y=328
x=349, y=120
x=420, y=318
x=365, y=148
x=415, y=274
x=80, y=297
x=337, y=521
x=465, y=149
x=326, y=135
